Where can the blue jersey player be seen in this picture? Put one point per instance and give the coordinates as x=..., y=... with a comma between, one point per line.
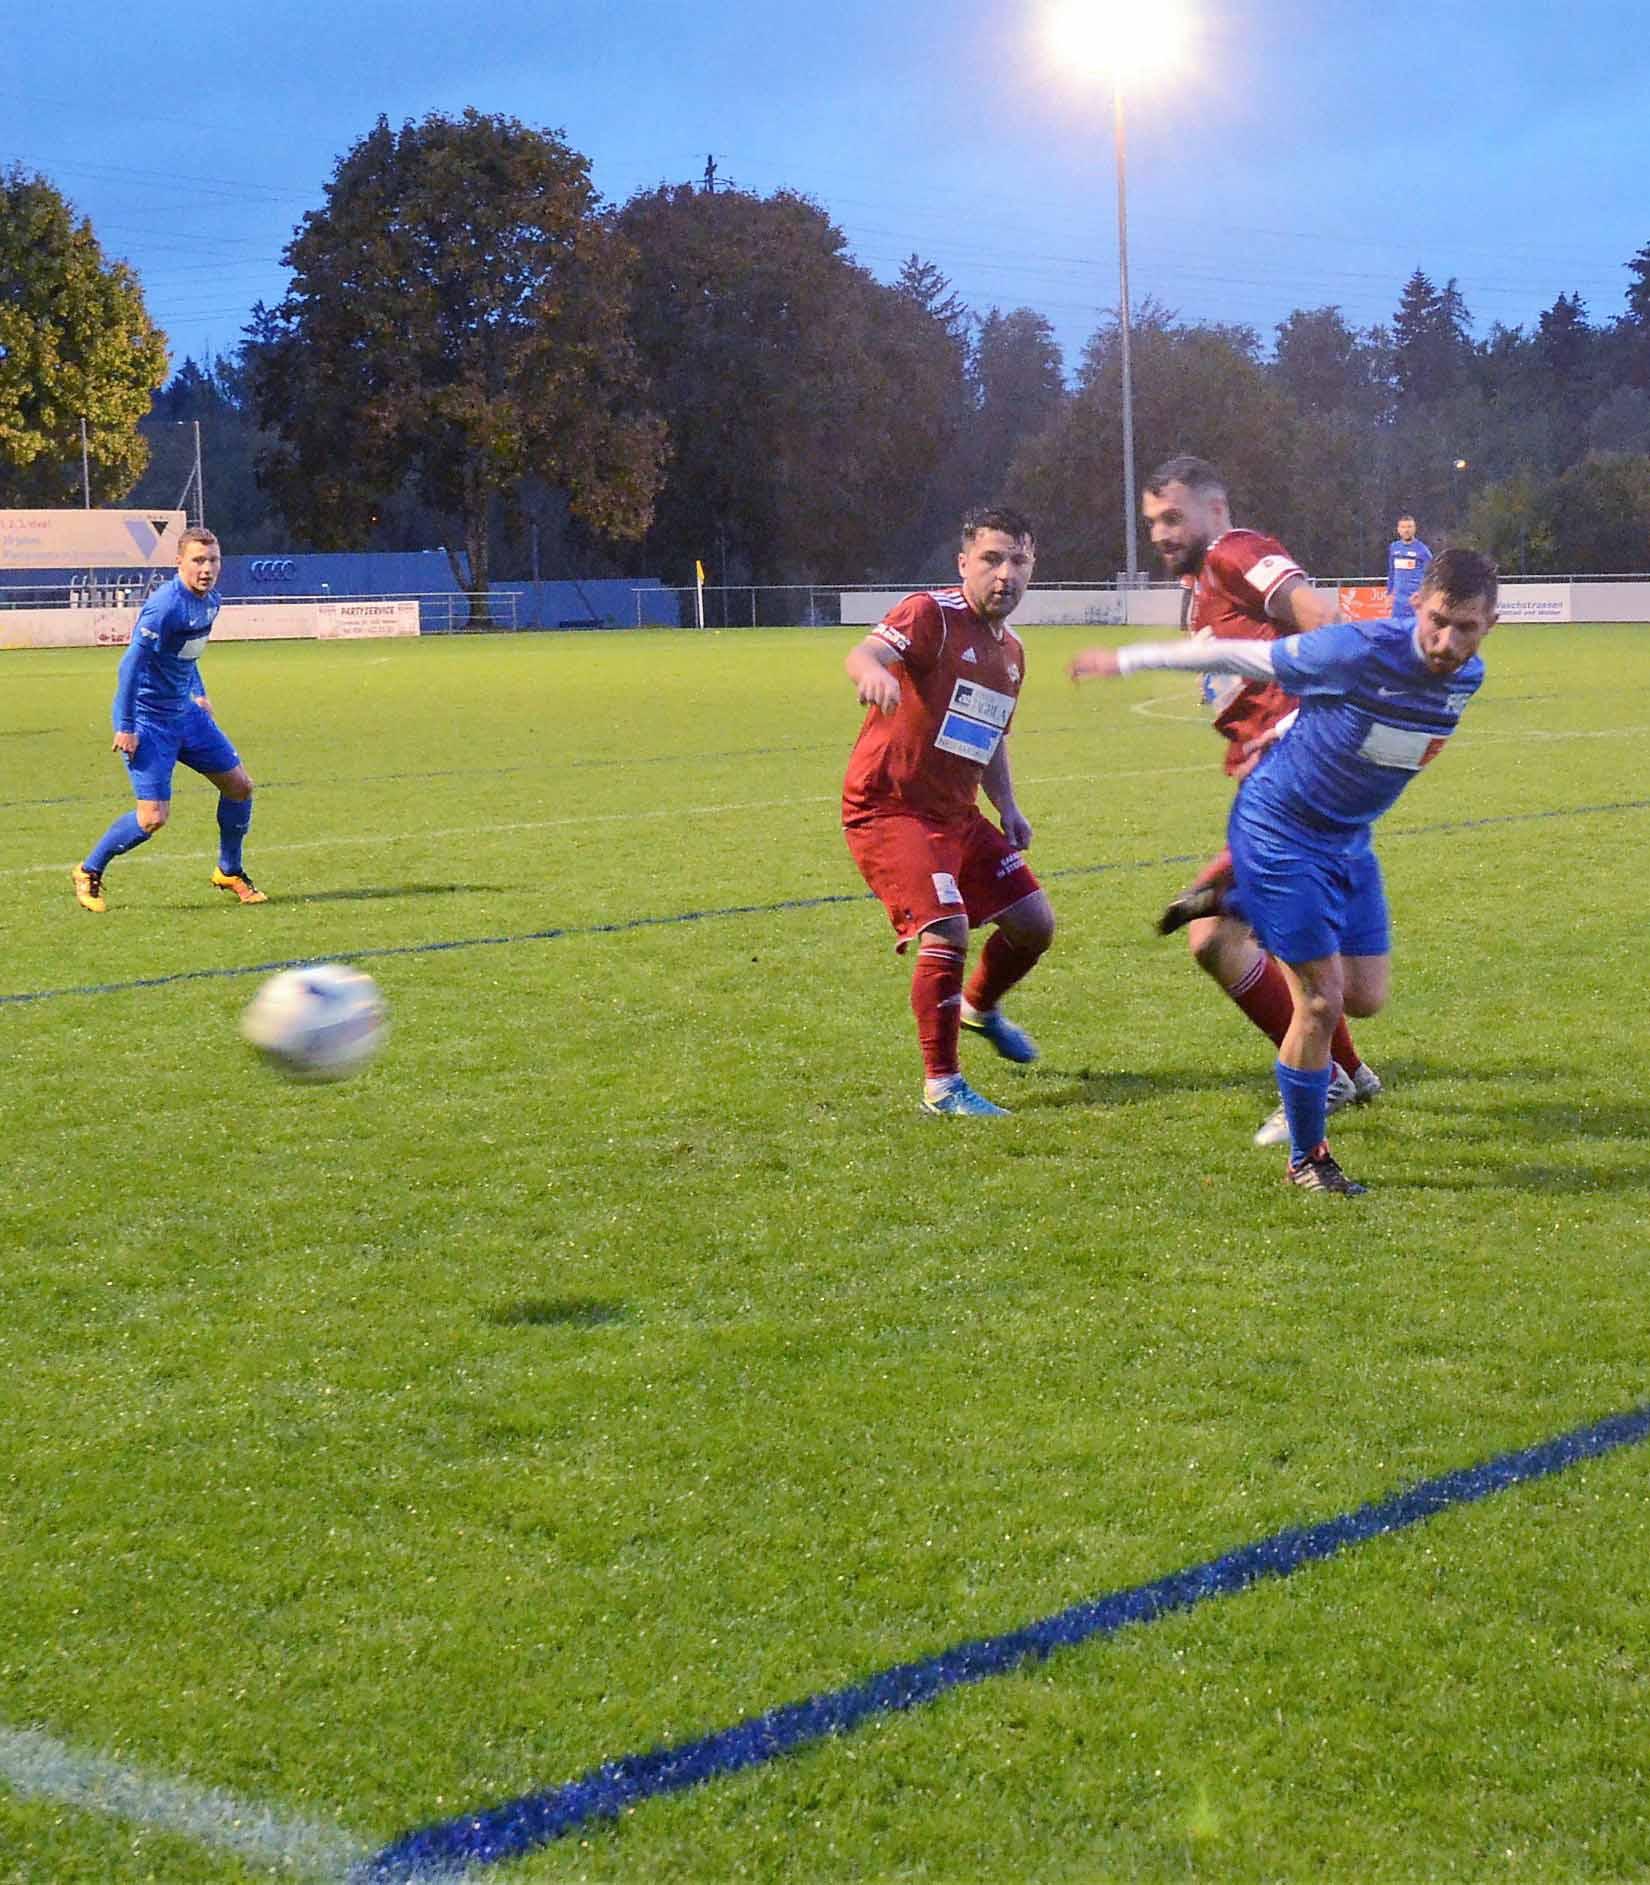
x=1378, y=702
x=162, y=716
x=1407, y=558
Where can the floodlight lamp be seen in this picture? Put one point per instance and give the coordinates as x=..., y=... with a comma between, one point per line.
x=1111, y=39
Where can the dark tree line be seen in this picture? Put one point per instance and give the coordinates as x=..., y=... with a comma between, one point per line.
x=475, y=351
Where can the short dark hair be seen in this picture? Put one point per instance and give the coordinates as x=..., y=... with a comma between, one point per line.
x=1011, y=523
x=1462, y=576
x=197, y=533
x=1197, y=474
x=1406, y=517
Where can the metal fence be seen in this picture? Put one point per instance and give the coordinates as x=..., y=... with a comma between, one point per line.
x=461, y=615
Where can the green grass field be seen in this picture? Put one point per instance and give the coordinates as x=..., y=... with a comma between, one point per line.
x=622, y=1355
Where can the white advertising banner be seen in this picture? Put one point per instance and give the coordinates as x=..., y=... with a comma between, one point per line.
x=90, y=539
x=237, y=621
x=344, y=621
x=1044, y=607
x=1535, y=602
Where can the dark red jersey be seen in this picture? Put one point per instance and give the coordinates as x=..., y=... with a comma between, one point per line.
x=1242, y=571
x=959, y=683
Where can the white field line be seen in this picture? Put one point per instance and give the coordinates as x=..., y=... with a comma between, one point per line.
x=380, y=839
x=37, y=1767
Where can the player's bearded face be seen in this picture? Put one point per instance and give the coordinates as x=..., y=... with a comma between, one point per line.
x=1448, y=633
x=995, y=569
x=1182, y=526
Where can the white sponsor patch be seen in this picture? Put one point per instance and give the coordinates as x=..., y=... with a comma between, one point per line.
x=974, y=722
x=1400, y=747
x=945, y=887
x=191, y=649
x=1263, y=577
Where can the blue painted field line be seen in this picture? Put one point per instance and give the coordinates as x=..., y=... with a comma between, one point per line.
x=510, y=1831
x=716, y=915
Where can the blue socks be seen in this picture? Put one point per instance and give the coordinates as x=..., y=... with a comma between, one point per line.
x=125, y=834
x=234, y=816
x=1305, y=1095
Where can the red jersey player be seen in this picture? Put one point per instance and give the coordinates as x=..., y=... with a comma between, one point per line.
x=1247, y=587
x=940, y=675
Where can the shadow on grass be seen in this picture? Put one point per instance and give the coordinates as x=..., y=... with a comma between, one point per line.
x=372, y=893
x=556, y=1312
x=1049, y=1087
x=1569, y=1181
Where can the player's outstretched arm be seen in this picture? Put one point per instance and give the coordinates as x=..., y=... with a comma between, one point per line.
x=870, y=665
x=1090, y=664
x=1251, y=659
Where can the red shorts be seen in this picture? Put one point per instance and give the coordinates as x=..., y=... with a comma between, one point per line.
x=925, y=873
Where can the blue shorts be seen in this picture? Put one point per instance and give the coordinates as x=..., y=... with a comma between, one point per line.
x=1306, y=893
x=194, y=739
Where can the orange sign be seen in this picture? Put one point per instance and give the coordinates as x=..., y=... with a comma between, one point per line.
x=1364, y=602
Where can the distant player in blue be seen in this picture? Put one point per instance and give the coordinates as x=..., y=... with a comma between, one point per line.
x=162, y=717
x=1407, y=558
x=1378, y=701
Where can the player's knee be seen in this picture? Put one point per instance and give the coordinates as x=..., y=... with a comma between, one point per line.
x=1365, y=999
x=239, y=789
x=1218, y=953
x=151, y=815
x=1032, y=928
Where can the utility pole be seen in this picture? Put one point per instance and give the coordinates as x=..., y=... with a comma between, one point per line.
x=710, y=175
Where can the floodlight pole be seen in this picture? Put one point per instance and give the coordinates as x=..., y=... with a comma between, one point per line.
x=1131, y=560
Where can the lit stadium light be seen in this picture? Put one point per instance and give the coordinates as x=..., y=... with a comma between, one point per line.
x=1106, y=39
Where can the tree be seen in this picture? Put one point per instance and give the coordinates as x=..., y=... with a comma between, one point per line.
x=806, y=402
x=1431, y=339
x=456, y=323
x=1197, y=388
x=1326, y=366
x=76, y=342
x=1019, y=381
x=213, y=395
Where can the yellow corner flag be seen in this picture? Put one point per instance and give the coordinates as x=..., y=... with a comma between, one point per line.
x=699, y=569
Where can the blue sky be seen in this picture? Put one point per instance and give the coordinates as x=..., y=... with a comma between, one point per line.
x=1306, y=155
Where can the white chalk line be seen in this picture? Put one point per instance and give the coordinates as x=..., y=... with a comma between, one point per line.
x=382, y=839
x=37, y=1766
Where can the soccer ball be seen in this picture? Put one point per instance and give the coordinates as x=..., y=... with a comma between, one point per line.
x=318, y=1023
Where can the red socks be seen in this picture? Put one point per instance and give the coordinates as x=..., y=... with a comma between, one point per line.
x=1000, y=966
x=936, y=1001
x=1264, y=997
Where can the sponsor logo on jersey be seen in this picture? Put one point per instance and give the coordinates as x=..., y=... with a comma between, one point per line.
x=974, y=722
x=968, y=654
x=1014, y=672
x=945, y=887
x=1010, y=864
